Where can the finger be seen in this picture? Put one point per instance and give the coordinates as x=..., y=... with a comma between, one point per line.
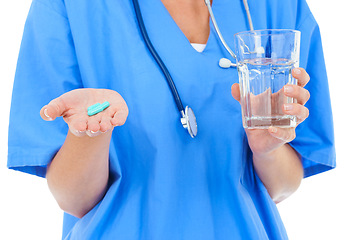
x=301, y=112
x=54, y=109
x=283, y=134
x=301, y=75
x=92, y=134
x=119, y=117
x=44, y=114
x=93, y=124
x=235, y=91
x=78, y=125
x=105, y=124
x=77, y=133
x=301, y=94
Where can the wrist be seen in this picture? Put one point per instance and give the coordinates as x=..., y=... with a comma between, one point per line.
x=268, y=156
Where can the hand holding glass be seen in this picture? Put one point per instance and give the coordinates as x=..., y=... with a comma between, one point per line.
x=265, y=59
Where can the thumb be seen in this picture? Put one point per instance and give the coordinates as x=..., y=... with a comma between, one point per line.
x=235, y=91
x=54, y=109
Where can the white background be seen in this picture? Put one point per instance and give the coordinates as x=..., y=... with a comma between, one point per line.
x=325, y=207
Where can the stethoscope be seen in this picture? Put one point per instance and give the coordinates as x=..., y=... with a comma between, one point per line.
x=188, y=118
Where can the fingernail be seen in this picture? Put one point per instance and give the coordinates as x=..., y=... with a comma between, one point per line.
x=288, y=89
x=288, y=107
x=297, y=71
x=94, y=132
x=46, y=114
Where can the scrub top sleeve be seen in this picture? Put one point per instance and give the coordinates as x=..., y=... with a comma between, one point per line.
x=315, y=136
x=46, y=68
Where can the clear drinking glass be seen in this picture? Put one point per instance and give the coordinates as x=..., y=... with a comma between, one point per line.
x=264, y=60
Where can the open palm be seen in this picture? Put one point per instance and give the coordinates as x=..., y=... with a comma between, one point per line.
x=72, y=106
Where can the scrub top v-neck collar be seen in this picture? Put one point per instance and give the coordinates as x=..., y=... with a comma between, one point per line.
x=167, y=36
x=162, y=29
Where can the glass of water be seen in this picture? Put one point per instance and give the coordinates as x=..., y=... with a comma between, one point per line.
x=264, y=60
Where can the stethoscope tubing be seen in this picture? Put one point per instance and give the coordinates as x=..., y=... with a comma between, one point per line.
x=246, y=5
x=212, y=17
x=157, y=58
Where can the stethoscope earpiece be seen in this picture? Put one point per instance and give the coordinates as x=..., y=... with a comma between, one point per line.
x=226, y=63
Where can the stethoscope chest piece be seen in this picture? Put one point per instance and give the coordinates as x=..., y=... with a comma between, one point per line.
x=188, y=121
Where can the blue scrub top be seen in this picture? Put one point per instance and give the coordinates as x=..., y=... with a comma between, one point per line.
x=163, y=184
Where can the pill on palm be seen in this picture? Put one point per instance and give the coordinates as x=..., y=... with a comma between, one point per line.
x=93, y=106
x=97, y=108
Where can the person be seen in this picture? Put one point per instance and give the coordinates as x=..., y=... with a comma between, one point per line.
x=131, y=171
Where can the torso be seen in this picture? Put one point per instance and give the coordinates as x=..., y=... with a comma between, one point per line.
x=164, y=184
